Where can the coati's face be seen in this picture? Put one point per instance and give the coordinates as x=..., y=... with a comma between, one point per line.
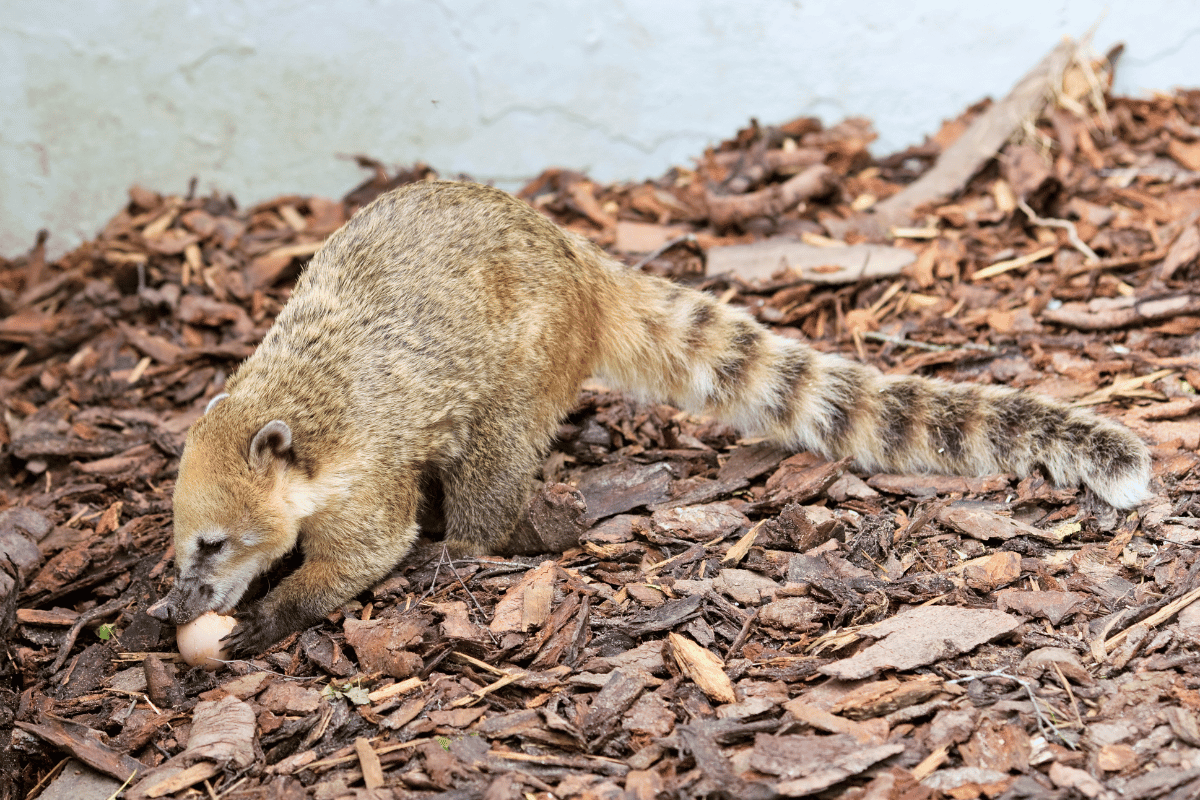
x=232, y=520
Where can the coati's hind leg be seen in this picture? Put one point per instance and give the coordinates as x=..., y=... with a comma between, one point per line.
x=486, y=493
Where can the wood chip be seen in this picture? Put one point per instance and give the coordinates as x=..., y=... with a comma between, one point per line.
x=704, y=668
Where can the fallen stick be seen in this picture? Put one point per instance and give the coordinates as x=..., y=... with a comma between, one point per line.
x=84, y=618
x=812, y=182
x=1066, y=225
x=1105, y=314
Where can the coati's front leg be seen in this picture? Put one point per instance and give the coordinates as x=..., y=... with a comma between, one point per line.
x=341, y=559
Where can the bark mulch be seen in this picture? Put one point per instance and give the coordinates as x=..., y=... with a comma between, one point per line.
x=737, y=621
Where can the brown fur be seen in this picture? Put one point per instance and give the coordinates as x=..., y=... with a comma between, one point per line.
x=445, y=330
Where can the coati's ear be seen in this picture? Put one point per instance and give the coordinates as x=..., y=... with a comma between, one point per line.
x=272, y=443
x=214, y=401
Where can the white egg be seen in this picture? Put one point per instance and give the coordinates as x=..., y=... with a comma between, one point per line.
x=200, y=640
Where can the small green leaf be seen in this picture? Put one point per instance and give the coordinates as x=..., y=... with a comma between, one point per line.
x=352, y=691
x=105, y=632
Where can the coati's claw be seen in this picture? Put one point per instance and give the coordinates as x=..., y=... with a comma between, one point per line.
x=251, y=637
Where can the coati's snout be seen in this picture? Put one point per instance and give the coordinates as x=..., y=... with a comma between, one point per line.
x=183, y=603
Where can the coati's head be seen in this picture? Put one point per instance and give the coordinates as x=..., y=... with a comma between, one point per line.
x=232, y=515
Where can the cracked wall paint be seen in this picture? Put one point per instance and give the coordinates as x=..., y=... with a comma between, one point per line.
x=260, y=97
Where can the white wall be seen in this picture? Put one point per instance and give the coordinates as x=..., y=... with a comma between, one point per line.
x=260, y=97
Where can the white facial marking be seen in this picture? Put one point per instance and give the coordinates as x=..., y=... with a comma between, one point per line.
x=233, y=584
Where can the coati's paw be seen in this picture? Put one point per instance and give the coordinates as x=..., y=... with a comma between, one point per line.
x=255, y=632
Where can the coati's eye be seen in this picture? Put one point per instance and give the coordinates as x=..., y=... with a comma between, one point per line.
x=209, y=548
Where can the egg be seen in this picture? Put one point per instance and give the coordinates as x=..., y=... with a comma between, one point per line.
x=200, y=640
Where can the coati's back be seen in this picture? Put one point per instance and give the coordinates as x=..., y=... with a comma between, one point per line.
x=447, y=304
x=443, y=333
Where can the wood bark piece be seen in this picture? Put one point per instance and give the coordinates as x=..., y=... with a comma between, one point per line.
x=698, y=523
x=668, y=615
x=1157, y=618
x=774, y=160
x=1160, y=781
x=749, y=461
x=222, y=737
x=1000, y=267
x=868, y=732
x=968, y=782
x=222, y=731
x=596, y=764
x=930, y=485
x=647, y=657
x=747, y=587
x=806, y=765
x=984, y=525
x=704, y=668
x=618, y=694
x=368, y=761
x=1187, y=154
x=789, y=613
x=267, y=268
x=38, y=616
x=19, y=529
x=1183, y=251
x=645, y=237
x=554, y=636
x=975, y=147
x=77, y=781
x=382, y=645
x=583, y=194
x=536, y=601
x=1054, y=606
x=880, y=698
x=620, y=487
x=799, y=480
x=759, y=261
x=703, y=490
x=514, y=613
x=174, y=779
x=395, y=690
x=33, y=439
x=922, y=636
x=156, y=347
x=41, y=291
x=742, y=546
x=285, y=697
x=553, y=521
x=699, y=738
x=161, y=686
x=1057, y=659
x=84, y=743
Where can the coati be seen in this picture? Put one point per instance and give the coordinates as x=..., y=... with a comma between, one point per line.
x=445, y=330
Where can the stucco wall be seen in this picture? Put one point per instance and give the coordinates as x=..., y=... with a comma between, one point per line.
x=258, y=97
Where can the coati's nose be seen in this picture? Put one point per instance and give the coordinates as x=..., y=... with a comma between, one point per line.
x=161, y=610
x=183, y=603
